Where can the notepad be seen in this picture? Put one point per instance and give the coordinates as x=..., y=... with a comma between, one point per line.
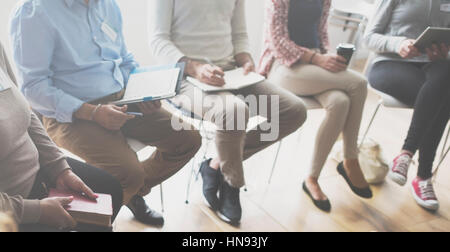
x=234, y=80
x=152, y=84
x=433, y=35
x=84, y=210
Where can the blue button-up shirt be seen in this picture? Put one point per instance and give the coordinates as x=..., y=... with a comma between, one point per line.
x=69, y=53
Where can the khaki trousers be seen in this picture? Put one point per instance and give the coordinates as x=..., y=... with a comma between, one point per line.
x=230, y=111
x=342, y=95
x=110, y=151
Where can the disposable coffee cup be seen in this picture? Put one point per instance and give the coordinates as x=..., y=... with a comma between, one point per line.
x=346, y=50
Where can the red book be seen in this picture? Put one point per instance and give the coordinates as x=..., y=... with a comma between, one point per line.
x=84, y=210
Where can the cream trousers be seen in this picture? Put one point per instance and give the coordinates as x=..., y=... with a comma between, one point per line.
x=342, y=95
x=284, y=111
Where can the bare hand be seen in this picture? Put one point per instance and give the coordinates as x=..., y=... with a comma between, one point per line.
x=248, y=68
x=68, y=181
x=148, y=108
x=438, y=52
x=209, y=74
x=331, y=62
x=112, y=117
x=407, y=49
x=245, y=61
x=53, y=213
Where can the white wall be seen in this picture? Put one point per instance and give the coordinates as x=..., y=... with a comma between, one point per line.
x=135, y=26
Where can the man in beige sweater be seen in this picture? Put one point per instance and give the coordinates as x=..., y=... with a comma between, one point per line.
x=30, y=162
x=211, y=37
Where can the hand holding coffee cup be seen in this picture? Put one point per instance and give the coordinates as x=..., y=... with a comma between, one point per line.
x=331, y=62
x=346, y=50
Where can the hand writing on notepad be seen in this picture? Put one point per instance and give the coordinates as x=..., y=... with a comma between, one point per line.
x=206, y=73
x=213, y=75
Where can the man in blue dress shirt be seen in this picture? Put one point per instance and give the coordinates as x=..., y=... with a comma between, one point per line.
x=72, y=58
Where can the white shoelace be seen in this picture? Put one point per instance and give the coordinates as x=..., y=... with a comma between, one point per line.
x=426, y=189
x=403, y=163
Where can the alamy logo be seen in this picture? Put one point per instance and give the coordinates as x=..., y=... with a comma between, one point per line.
x=232, y=113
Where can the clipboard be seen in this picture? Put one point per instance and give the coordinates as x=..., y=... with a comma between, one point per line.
x=433, y=35
x=234, y=80
x=153, y=84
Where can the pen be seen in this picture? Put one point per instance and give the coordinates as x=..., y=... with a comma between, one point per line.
x=135, y=114
x=212, y=64
x=209, y=62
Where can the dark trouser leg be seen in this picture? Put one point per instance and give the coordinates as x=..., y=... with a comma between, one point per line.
x=427, y=87
x=401, y=80
x=430, y=143
x=432, y=97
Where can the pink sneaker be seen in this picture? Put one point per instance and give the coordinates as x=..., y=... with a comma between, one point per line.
x=424, y=195
x=399, y=169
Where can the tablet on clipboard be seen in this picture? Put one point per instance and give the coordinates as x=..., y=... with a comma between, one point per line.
x=433, y=35
x=153, y=84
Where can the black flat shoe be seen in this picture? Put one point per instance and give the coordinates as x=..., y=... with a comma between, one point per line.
x=361, y=192
x=211, y=182
x=143, y=213
x=323, y=205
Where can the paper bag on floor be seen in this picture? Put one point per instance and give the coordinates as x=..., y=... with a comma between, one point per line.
x=373, y=164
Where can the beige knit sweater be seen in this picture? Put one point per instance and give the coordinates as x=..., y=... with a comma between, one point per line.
x=25, y=149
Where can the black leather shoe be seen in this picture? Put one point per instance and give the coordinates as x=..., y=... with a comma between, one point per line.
x=361, y=192
x=230, y=209
x=323, y=205
x=143, y=213
x=211, y=182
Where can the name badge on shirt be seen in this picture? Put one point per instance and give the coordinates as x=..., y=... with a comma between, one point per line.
x=110, y=32
x=445, y=7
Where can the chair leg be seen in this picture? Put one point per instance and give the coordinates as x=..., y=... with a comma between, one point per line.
x=192, y=173
x=300, y=135
x=275, y=161
x=162, y=197
x=445, y=143
x=440, y=162
x=370, y=124
x=443, y=154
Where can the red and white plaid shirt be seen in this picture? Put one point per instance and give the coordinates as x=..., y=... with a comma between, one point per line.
x=277, y=44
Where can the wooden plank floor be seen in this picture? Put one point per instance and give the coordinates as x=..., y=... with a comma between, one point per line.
x=282, y=205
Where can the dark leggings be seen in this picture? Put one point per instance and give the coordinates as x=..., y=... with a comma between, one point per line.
x=98, y=180
x=426, y=87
